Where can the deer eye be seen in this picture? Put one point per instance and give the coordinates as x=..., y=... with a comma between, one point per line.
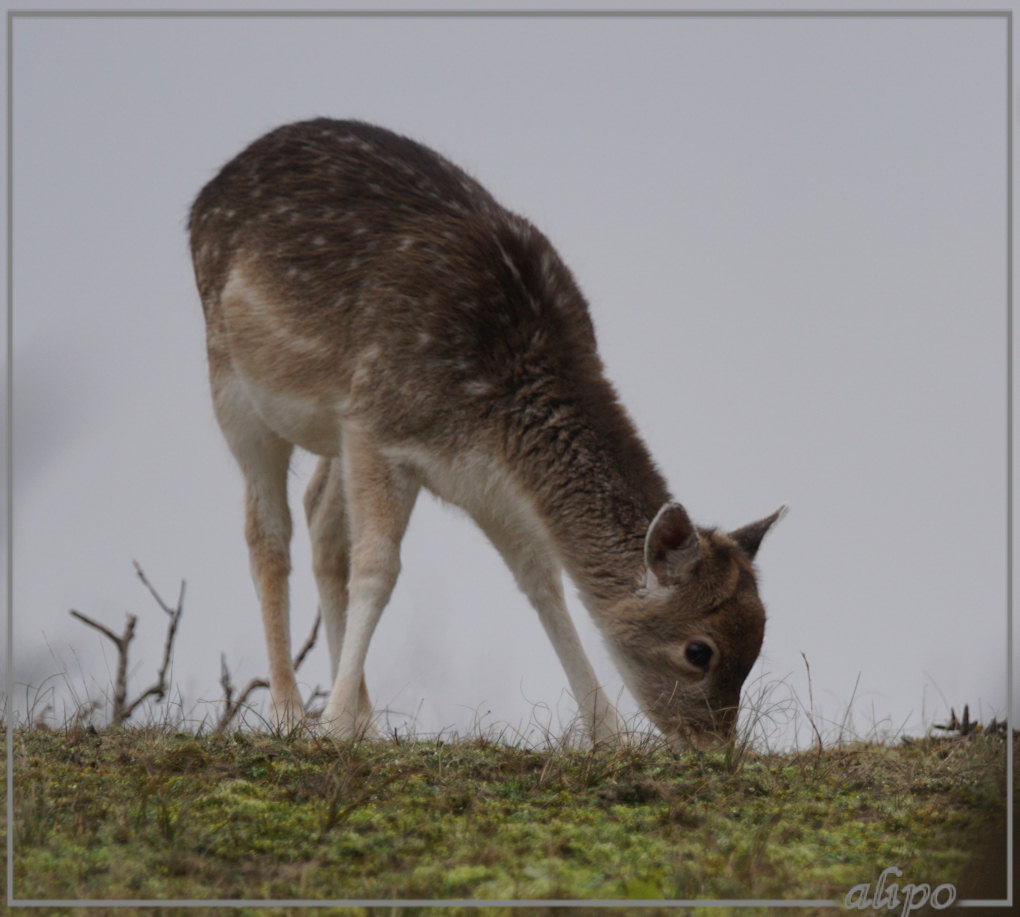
x=698, y=654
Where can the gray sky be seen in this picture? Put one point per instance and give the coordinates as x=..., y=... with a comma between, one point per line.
x=792, y=235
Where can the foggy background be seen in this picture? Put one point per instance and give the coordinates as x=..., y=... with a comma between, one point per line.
x=792, y=233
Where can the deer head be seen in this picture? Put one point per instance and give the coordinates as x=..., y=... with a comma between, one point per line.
x=687, y=639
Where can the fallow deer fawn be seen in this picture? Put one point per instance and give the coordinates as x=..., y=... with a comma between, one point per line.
x=368, y=301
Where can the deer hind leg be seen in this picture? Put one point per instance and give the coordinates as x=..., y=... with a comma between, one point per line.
x=540, y=578
x=264, y=458
x=326, y=512
x=379, y=497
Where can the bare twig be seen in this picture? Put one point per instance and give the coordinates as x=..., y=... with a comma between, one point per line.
x=122, y=709
x=232, y=707
x=122, y=642
x=309, y=643
x=180, y=598
x=105, y=630
x=158, y=690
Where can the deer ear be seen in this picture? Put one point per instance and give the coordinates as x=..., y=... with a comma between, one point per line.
x=749, y=537
x=672, y=545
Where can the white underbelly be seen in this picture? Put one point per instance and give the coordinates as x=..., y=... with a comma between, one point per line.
x=481, y=485
x=309, y=423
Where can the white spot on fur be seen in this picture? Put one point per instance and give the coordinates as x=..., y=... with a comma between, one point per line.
x=508, y=261
x=477, y=388
x=364, y=363
x=548, y=268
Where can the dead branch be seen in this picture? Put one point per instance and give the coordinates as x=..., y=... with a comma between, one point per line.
x=128, y=633
x=232, y=707
x=310, y=642
x=180, y=598
x=122, y=642
x=122, y=709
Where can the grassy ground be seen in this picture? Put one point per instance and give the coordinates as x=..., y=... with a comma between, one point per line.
x=151, y=814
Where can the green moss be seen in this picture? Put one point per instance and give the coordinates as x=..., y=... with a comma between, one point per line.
x=143, y=815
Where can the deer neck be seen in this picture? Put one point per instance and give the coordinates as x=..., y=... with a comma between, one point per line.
x=591, y=478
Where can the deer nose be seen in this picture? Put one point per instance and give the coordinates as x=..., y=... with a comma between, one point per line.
x=709, y=741
x=711, y=735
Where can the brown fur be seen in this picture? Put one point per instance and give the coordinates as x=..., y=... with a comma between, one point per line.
x=359, y=288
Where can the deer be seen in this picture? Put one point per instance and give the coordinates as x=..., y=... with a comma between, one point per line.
x=368, y=301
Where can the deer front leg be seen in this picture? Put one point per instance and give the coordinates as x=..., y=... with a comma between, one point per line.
x=539, y=577
x=379, y=497
x=542, y=583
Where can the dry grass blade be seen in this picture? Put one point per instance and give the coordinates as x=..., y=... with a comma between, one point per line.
x=811, y=702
